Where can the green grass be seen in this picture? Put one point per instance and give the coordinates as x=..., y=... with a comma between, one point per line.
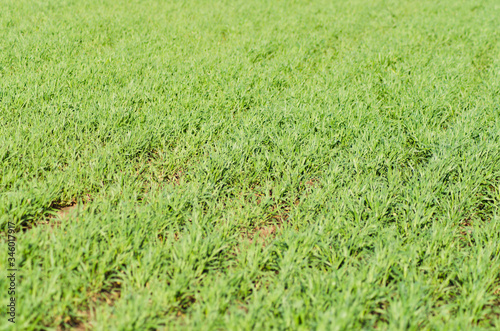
x=326, y=165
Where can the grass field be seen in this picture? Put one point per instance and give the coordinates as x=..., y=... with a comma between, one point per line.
x=238, y=165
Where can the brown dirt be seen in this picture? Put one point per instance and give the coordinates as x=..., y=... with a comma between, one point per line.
x=262, y=234
x=64, y=212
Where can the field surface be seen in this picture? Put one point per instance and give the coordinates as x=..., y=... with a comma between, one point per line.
x=251, y=165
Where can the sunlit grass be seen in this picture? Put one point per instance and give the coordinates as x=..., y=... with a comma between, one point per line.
x=321, y=165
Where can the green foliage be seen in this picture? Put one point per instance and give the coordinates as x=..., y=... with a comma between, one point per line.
x=326, y=165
